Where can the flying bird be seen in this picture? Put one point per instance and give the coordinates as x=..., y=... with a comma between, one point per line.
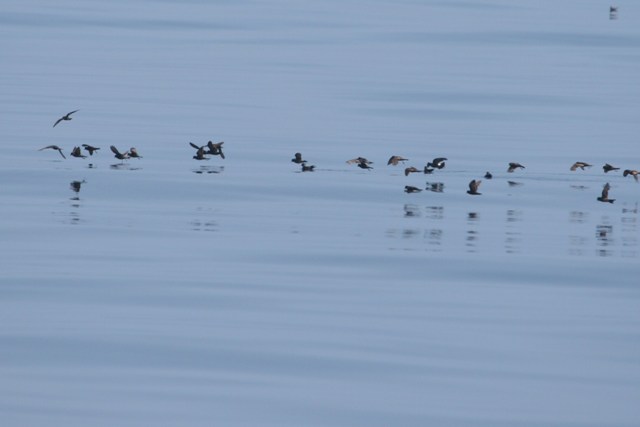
x=215, y=149
x=634, y=173
x=119, y=155
x=394, y=160
x=297, y=158
x=437, y=163
x=134, y=153
x=513, y=166
x=359, y=160
x=473, y=187
x=200, y=154
x=580, y=165
x=411, y=189
x=65, y=117
x=409, y=170
x=77, y=152
x=608, y=168
x=54, y=147
x=90, y=148
x=605, y=194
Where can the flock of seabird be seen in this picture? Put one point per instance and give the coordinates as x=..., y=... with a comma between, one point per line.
x=215, y=149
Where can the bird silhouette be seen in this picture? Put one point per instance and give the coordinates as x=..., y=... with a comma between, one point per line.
x=513, y=166
x=634, y=173
x=134, y=153
x=394, y=160
x=411, y=189
x=215, y=149
x=488, y=175
x=65, y=117
x=307, y=168
x=359, y=160
x=580, y=165
x=410, y=169
x=605, y=194
x=90, y=148
x=54, y=147
x=297, y=158
x=77, y=152
x=473, y=187
x=608, y=168
x=118, y=155
x=437, y=163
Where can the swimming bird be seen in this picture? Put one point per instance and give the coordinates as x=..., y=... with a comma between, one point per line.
x=437, y=163
x=215, y=149
x=580, y=165
x=77, y=152
x=409, y=170
x=513, y=166
x=119, y=155
x=359, y=160
x=297, y=158
x=473, y=187
x=134, y=153
x=54, y=147
x=605, y=194
x=90, y=148
x=634, y=173
x=411, y=189
x=488, y=175
x=608, y=168
x=306, y=168
x=65, y=117
x=394, y=160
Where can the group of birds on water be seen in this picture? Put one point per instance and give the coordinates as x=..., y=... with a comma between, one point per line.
x=215, y=149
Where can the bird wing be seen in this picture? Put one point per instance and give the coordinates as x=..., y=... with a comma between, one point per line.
x=605, y=191
x=68, y=114
x=58, y=121
x=115, y=150
x=194, y=146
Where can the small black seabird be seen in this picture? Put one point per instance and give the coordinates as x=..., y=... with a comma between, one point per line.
x=580, y=165
x=410, y=169
x=437, y=163
x=200, y=154
x=54, y=147
x=608, y=168
x=359, y=160
x=634, y=173
x=77, y=152
x=605, y=194
x=394, y=160
x=473, y=187
x=118, y=155
x=65, y=117
x=428, y=170
x=134, y=153
x=90, y=148
x=306, y=168
x=297, y=158
x=488, y=175
x=411, y=189
x=215, y=149
x=513, y=166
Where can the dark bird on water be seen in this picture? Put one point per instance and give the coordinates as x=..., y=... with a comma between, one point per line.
x=77, y=152
x=608, y=168
x=297, y=158
x=513, y=166
x=473, y=187
x=580, y=165
x=488, y=175
x=118, y=155
x=411, y=189
x=54, y=147
x=200, y=153
x=134, y=153
x=605, y=194
x=65, y=117
x=409, y=170
x=437, y=163
x=394, y=160
x=307, y=168
x=90, y=148
x=634, y=173
x=76, y=185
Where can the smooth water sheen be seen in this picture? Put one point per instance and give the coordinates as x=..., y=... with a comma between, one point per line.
x=168, y=291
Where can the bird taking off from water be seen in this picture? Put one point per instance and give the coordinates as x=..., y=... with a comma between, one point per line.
x=297, y=158
x=608, y=168
x=605, y=194
x=90, y=148
x=473, y=187
x=437, y=163
x=580, y=165
x=513, y=166
x=634, y=173
x=394, y=160
x=118, y=155
x=65, y=117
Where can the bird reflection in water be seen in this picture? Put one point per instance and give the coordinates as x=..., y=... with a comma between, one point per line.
x=604, y=238
x=513, y=235
x=435, y=187
x=629, y=230
x=204, y=220
x=206, y=169
x=75, y=186
x=472, y=234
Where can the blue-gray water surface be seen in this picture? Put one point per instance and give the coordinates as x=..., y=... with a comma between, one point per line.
x=170, y=291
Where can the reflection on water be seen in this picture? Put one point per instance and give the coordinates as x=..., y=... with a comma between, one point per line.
x=74, y=213
x=613, y=13
x=204, y=220
x=607, y=236
x=436, y=187
x=124, y=166
x=208, y=169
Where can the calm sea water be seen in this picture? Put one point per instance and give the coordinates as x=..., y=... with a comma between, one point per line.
x=168, y=291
